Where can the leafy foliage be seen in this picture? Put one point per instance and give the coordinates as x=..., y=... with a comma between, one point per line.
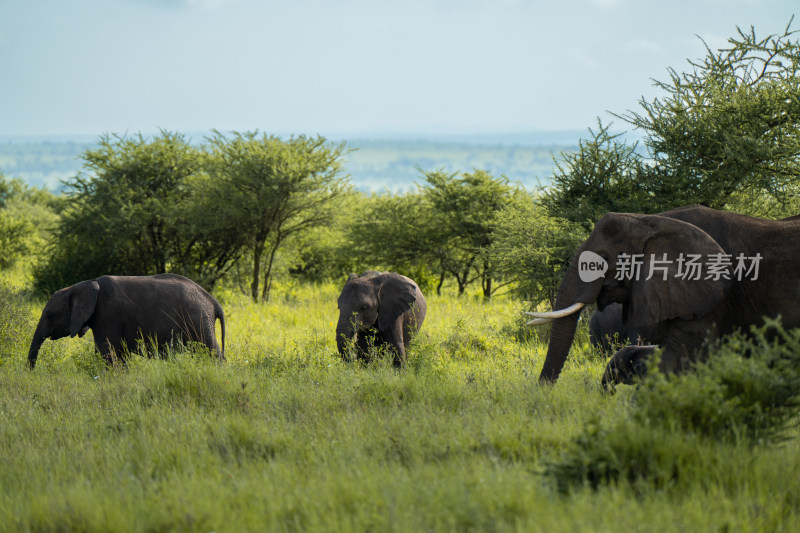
x=148, y=206
x=724, y=135
x=135, y=211
x=444, y=228
x=464, y=211
x=729, y=125
x=604, y=175
x=26, y=217
x=274, y=189
x=748, y=391
x=396, y=232
x=14, y=323
x=533, y=248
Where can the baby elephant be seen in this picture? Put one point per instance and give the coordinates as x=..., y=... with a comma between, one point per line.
x=379, y=308
x=167, y=309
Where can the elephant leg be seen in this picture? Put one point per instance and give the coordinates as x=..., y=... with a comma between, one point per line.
x=394, y=338
x=112, y=352
x=685, y=343
x=365, y=342
x=627, y=365
x=411, y=325
x=107, y=343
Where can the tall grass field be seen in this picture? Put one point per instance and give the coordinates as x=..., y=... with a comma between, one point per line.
x=286, y=436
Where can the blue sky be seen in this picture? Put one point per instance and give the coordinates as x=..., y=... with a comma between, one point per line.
x=348, y=67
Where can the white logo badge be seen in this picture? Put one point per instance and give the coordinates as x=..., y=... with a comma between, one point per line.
x=591, y=266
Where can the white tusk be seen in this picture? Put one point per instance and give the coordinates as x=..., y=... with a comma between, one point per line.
x=539, y=321
x=560, y=313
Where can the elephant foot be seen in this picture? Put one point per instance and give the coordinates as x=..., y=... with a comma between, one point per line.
x=627, y=365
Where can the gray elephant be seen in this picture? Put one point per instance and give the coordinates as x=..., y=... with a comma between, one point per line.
x=609, y=324
x=607, y=329
x=121, y=311
x=686, y=311
x=379, y=309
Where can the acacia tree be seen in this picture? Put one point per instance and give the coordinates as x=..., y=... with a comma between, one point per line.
x=463, y=211
x=725, y=134
x=134, y=209
x=19, y=218
x=533, y=248
x=605, y=174
x=273, y=189
x=395, y=232
x=730, y=126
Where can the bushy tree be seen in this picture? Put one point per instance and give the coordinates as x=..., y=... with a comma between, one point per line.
x=134, y=210
x=725, y=134
x=463, y=212
x=396, y=232
x=14, y=232
x=604, y=175
x=533, y=248
x=326, y=252
x=27, y=215
x=272, y=190
x=729, y=126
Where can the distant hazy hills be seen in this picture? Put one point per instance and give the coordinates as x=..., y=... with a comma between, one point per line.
x=391, y=163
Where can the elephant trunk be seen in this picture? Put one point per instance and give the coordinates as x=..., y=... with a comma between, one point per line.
x=561, y=336
x=571, y=292
x=36, y=343
x=345, y=336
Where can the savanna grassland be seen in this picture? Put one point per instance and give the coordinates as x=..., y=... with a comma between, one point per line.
x=286, y=436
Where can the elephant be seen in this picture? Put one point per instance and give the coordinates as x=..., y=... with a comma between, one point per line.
x=607, y=329
x=121, y=311
x=609, y=323
x=684, y=312
x=379, y=309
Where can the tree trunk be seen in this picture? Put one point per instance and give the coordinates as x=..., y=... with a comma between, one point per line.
x=258, y=249
x=441, y=282
x=268, y=273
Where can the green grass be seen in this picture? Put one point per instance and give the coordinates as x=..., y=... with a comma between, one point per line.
x=287, y=437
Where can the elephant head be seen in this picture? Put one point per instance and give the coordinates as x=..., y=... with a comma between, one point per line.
x=665, y=296
x=66, y=313
x=373, y=301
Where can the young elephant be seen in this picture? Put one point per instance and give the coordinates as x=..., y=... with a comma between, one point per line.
x=608, y=329
x=379, y=309
x=167, y=309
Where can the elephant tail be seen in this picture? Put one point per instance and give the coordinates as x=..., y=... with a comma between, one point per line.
x=219, y=314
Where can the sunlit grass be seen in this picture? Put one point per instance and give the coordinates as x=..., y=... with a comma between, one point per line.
x=286, y=436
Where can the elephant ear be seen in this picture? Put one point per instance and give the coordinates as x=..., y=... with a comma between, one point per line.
x=680, y=295
x=396, y=295
x=83, y=299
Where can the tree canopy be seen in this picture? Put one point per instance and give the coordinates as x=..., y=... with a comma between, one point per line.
x=271, y=190
x=723, y=135
x=144, y=206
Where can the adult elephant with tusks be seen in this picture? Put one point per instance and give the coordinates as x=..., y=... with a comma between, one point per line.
x=379, y=309
x=126, y=312
x=704, y=273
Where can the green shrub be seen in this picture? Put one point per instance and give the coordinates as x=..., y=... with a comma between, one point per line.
x=15, y=327
x=749, y=388
x=746, y=393
x=628, y=451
